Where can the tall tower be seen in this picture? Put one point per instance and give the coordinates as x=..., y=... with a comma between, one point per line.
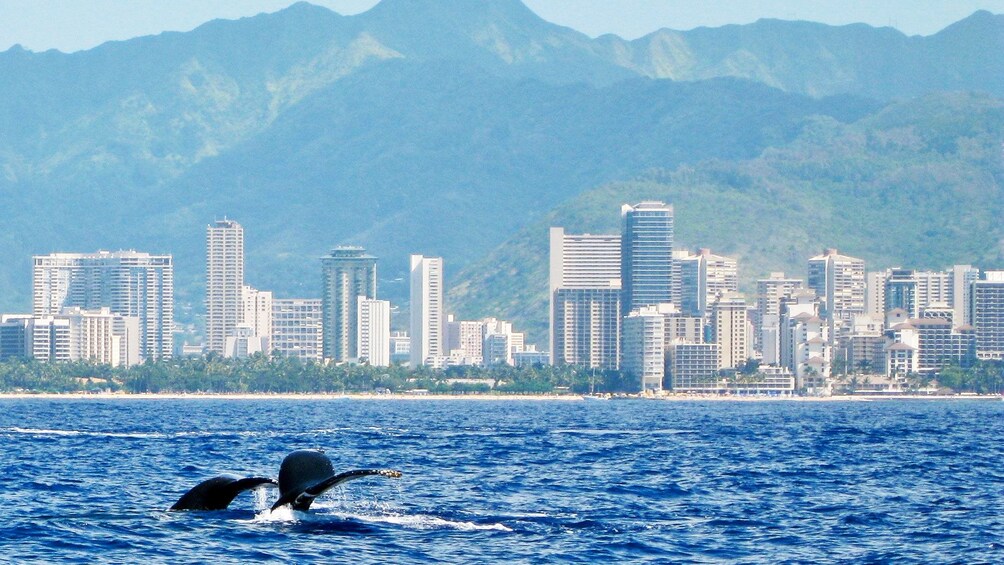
x=428, y=324
x=348, y=273
x=224, y=282
x=128, y=283
x=839, y=281
x=585, y=275
x=729, y=325
x=649, y=274
x=374, y=331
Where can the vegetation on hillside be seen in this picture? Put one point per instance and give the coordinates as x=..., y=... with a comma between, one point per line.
x=919, y=185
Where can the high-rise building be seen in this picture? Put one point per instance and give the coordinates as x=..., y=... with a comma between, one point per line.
x=693, y=367
x=649, y=274
x=645, y=347
x=257, y=311
x=805, y=343
x=224, y=282
x=128, y=283
x=914, y=291
x=297, y=329
x=374, y=332
x=428, y=322
x=589, y=331
x=770, y=293
x=961, y=280
x=703, y=277
x=465, y=340
x=579, y=261
x=729, y=325
x=839, y=281
x=348, y=273
x=987, y=314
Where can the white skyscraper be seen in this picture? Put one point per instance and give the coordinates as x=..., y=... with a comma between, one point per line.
x=584, y=296
x=839, y=281
x=224, y=282
x=645, y=347
x=374, y=331
x=428, y=323
x=128, y=283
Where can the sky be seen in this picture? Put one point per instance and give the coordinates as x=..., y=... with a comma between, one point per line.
x=73, y=25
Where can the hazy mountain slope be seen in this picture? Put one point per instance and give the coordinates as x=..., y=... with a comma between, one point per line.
x=436, y=159
x=819, y=60
x=919, y=184
x=420, y=125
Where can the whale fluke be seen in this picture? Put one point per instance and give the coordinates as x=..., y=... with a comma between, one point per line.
x=304, y=475
x=218, y=492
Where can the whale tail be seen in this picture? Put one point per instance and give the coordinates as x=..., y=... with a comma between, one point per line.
x=304, y=475
x=218, y=492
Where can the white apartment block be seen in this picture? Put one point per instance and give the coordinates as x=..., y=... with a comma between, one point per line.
x=729, y=323
x=693, y=367
x=297, y=328
x=428, y=321
x=374, y=332
x=579, y=262
x=128, y=283
x=644, y=347
x=704, y=277
x=770, y=293
x=987, y=314
x=224, y=282
x=839, y=280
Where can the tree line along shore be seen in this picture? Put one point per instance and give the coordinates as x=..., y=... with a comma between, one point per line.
x=260, y=374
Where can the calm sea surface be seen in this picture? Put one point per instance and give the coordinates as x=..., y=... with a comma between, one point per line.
x=89, y=480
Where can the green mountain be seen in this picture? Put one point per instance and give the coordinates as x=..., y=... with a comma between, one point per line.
x=918, y=184
x=418, y=126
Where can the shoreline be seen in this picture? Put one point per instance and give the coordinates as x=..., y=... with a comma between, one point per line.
x=481, y=397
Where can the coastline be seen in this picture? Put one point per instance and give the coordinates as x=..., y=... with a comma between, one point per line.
x=480, y=397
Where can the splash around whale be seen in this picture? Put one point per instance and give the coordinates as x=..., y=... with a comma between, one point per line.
x=303, y=476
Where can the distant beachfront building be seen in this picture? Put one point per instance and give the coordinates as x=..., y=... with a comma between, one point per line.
x=428, y=321
x=770, y=294
x=839, y=281
x=644, y=350
x=693, y=367
x=705, y=276
x=98, y=336
x=649, y=273
x=805, y=345
x=128, y=283
x=348, y=273
x=588, y=328
x=297, y=328
x=374, y=331
x=224, y=282
x=729, y=325
x=987, y=314
x=579, y=265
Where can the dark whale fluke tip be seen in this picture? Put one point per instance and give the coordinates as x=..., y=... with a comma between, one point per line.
x=306, y=474
x=218, y=492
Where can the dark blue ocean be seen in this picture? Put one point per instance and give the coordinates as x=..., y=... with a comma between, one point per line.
x=90, y=480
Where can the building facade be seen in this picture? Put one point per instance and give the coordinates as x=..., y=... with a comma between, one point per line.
x=374, y=332
x=347, y=273
x=297, y=329
x=579, y=262
x=224, y=282
x=128, y=283
x=428, y=321
x=649, y=273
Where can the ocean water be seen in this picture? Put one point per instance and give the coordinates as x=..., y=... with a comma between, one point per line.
x=90, y=480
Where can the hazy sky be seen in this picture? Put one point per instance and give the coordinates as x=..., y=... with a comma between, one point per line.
x=71, y=25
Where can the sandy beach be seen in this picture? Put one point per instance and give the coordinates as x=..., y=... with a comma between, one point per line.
x=487, y=397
